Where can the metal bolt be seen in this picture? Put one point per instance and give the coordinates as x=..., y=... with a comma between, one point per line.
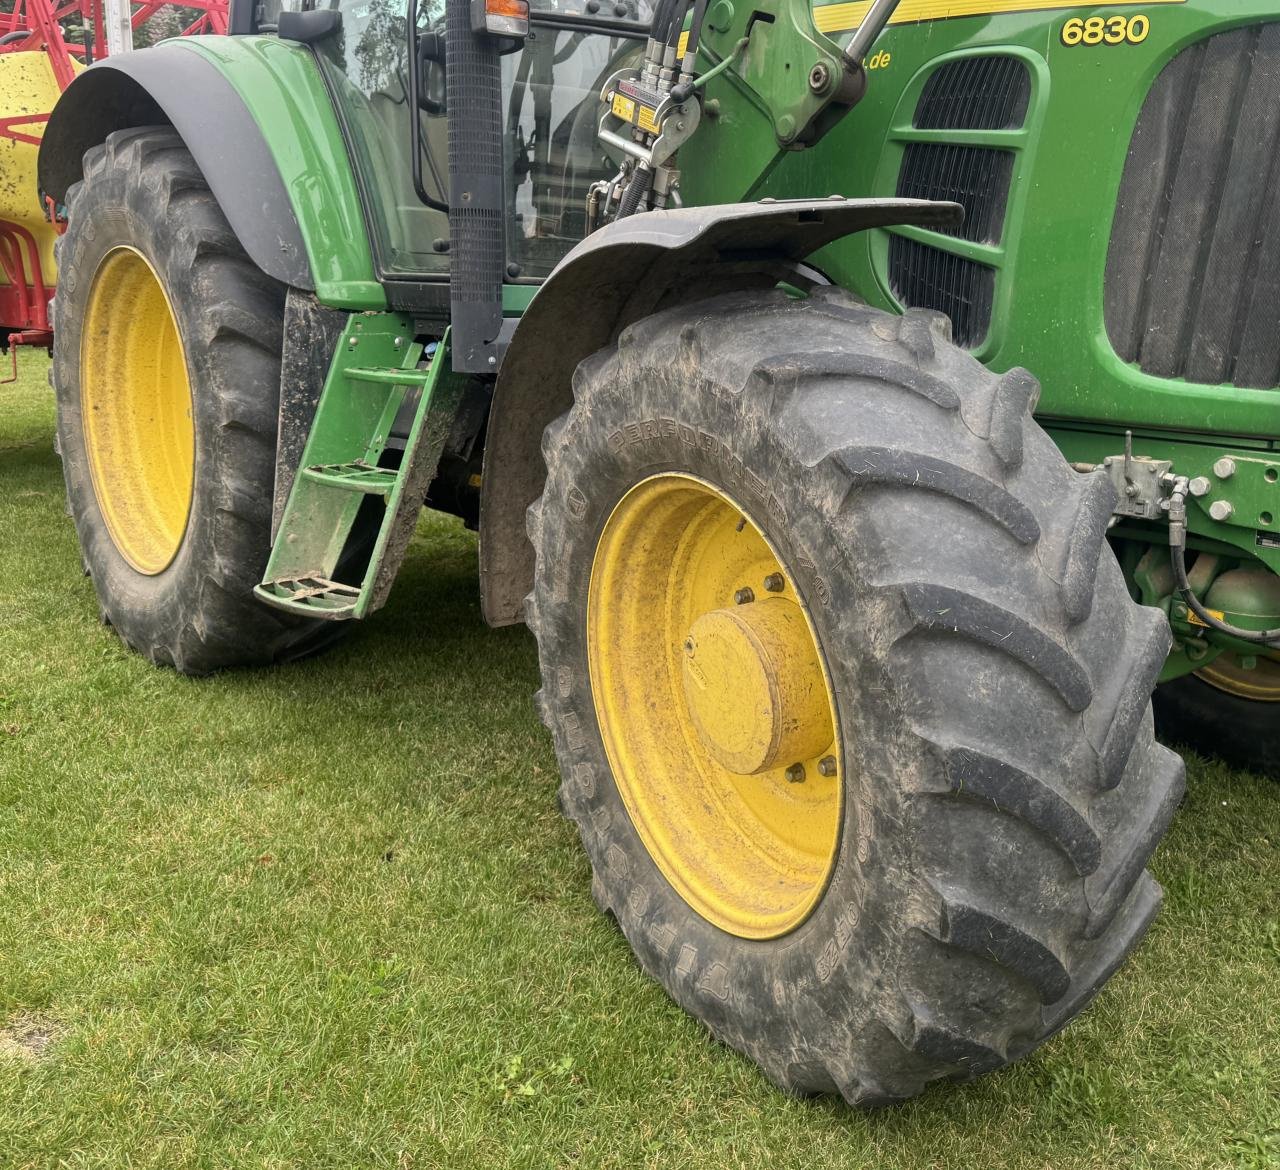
x=827, y=766
x=1221, y=509
x=1179, y=610
x=743, y=596
x=1200, y=485
x=1225, y=468
x=1248, y=661
x=795, y=774
x=775, y=583
x=399, y=341
x=1195, y=651
x=819, y=77
x=493, y=361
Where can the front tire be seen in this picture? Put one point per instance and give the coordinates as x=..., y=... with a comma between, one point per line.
x=166, y=365
x=998, y=790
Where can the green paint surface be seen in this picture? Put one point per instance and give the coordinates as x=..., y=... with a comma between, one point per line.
x=283, y=91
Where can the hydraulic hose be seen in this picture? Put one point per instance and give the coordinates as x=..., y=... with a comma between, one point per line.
x=1178, y=555
x=636, y=191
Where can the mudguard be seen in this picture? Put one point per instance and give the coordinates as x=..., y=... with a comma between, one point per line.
x=254, y=113
x=626, y=271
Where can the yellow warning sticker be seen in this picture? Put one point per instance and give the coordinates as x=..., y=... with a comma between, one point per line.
x=1196, y=620
x=647, y=120
x=623, y=107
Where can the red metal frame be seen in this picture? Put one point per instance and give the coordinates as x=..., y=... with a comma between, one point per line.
x=25, y=301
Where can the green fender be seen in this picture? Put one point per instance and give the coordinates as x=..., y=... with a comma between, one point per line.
x=255, y=113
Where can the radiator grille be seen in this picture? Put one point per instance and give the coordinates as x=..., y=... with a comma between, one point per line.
x=929, y=278
x=975, y=93
x=1193, y=270
x=973, y=176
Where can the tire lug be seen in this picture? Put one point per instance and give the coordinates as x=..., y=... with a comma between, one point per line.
x=827, y=766
x=744, y=596
x=795, y=774
x=775, y=583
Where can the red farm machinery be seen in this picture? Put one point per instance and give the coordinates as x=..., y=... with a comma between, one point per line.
x=43, y=44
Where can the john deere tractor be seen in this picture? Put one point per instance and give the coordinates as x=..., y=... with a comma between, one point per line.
x=711, y=317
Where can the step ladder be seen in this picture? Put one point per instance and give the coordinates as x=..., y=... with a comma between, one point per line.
x=375, y=371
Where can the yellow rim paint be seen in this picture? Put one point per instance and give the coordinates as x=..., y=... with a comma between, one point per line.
x=712, y=706
x=1261, y=684
x=845, y=17
x=136, y=410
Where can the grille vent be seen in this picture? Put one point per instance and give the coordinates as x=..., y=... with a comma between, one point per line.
x=967, y=94
x=975, y=93
x=973, y=176
x=1193, y=271
x=929, y=278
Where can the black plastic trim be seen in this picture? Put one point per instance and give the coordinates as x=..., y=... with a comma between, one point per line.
x=172, y=85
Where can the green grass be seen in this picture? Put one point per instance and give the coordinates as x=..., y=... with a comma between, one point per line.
x=329, y=916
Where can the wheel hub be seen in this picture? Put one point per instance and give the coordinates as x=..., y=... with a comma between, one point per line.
x=753, y=685
x=715, y=709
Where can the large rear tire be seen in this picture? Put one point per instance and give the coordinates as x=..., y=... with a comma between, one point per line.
x=1227, y=712
x=953, y=876
x=166, y=365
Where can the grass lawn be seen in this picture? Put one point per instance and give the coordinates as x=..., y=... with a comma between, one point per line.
x=329, y=916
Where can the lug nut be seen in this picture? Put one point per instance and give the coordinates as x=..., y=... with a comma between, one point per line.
x=1222, y=509
x=1225, y=468
x=1199, y=486
x=743, y=596
x=795, y=774
x=827, y=766
x=775, y=583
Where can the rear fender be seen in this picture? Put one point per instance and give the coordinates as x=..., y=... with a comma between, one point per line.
x=254, y=113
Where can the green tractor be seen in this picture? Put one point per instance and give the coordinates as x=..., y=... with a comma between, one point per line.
x=847, y=632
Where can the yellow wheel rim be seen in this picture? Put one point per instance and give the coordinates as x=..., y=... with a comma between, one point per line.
x=136, y=408
x=715, y=706
x=1261, y=684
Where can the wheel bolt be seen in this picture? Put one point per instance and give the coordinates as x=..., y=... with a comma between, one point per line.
x=743, y=596
x=775, y=583
x=795, y=774
x=827, y=766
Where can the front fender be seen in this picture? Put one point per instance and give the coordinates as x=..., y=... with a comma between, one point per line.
x=616, y=276
x=255, y=114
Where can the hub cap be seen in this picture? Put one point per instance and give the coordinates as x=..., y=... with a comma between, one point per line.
x=136, y=410
x=714, y=705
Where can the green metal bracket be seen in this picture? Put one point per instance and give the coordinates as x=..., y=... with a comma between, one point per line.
x=374, y=372
x=797, y=74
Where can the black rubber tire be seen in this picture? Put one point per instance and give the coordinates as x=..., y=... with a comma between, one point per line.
x=1243, y=732
x=992, y=678
x=142, y=188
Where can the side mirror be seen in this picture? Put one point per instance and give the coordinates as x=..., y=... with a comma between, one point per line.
x=431, y=73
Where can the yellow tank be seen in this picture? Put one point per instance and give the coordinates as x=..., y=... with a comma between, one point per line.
x=27, y=87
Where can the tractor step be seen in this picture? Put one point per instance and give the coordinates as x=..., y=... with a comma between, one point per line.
x=339, y=469
x=355, y=477
x=313, y=595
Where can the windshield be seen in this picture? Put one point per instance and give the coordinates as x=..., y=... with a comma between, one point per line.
x=551, y=106
x=552, y=156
